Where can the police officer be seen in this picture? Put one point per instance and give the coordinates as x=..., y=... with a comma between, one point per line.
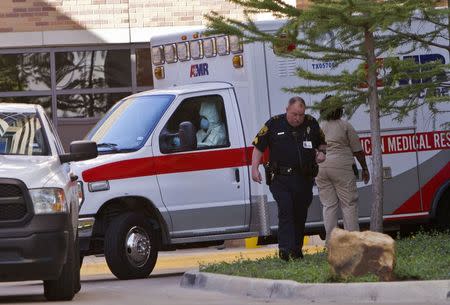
x=296, y=144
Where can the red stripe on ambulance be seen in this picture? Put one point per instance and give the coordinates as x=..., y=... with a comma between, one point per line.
x=428, y=192
x=169, y=164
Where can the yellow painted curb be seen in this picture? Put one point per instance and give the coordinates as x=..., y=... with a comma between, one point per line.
x=191, y=261
x=252, y=242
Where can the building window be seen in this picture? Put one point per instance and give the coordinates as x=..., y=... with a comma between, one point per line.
x=76, y=85
x=87, y=105
x=93, y=69
x=144, y=67
x=25, y=72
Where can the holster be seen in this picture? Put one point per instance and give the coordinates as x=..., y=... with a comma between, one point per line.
x=355, y=170
x=269, y=170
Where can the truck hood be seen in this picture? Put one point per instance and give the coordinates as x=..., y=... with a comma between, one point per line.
x=34, y=171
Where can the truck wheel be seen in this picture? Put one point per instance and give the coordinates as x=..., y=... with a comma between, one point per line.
x=131, y=246
x=77, y=284
x=63, y=288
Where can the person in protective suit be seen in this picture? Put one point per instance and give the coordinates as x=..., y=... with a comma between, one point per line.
x=212, y=131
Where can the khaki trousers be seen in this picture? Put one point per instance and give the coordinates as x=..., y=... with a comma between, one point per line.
x=337, y=189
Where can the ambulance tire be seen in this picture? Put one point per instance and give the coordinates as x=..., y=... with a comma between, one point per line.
x=131, y=246
x=63, y=288
x=443, y=212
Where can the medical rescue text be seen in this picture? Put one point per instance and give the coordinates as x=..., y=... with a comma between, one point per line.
x=401, y=143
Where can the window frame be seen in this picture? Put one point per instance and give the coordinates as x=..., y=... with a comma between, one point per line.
x=53, y=92
x=223, y=117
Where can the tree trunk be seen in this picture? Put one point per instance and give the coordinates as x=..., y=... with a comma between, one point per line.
x=376, y=213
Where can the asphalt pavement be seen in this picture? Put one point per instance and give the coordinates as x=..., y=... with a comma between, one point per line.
x=189, y=260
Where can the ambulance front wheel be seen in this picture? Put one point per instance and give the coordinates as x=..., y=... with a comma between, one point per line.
x=131, y=247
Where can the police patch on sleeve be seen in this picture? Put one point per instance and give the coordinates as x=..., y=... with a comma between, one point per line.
x=263, y=131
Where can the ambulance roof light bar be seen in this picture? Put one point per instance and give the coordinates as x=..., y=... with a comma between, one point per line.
x=170, y=53
x=158, y=55
x=223, y=45
x=209, y=47
x=183, y=51
x=198, y=48
x=236, y=45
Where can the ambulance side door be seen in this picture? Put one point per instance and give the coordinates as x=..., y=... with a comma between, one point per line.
x=203, y=188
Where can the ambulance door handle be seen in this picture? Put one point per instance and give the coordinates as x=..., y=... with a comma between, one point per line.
x=237, y=176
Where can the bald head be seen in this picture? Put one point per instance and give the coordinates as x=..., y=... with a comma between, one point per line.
x=296, y=99
x=295, y=111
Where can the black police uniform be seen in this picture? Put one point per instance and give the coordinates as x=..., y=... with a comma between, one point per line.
x=292, y=164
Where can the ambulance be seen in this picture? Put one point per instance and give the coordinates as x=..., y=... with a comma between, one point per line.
x=174, y=162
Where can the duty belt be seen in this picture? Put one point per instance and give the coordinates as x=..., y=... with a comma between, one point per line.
x=287, y=171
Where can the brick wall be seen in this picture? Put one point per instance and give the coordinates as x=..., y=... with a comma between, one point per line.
x=44, y=15
x=302, y=3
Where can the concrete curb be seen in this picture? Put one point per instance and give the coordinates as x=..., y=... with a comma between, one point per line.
x=186, y=260
x=408, y=291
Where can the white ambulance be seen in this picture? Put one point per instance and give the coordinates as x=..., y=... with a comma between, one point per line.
x=174, y=163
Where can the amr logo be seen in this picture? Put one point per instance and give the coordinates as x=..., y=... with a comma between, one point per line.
x=199, y=70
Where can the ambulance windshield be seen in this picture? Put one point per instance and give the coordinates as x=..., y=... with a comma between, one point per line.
x=127, y=126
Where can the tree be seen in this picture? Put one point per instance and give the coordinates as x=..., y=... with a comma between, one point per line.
x=347, y=33
x=436, y=34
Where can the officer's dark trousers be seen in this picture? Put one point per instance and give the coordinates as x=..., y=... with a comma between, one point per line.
x=293, y=195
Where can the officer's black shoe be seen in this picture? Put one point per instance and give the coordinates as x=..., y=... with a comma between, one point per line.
x=297, y=255
x=284, y=255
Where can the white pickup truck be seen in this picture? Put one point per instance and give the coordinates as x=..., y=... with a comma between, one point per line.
x=38, y=202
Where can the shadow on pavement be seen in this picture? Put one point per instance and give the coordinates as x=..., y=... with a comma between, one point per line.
x=111, y=278
x=14, y=299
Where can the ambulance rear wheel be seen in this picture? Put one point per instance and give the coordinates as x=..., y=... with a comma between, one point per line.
x=443, y=212
x=131, y=246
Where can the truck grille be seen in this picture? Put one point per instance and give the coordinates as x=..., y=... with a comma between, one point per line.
x=12, y=202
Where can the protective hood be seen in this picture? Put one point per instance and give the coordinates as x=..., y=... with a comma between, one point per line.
x=209, y=111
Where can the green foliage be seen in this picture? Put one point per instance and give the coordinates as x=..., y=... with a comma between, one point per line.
x=423, y=256
x=336, y=31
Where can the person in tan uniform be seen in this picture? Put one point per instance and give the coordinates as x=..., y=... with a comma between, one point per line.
x=336, y=179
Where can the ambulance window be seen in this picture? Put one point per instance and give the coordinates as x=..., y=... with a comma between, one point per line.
x=207, y=115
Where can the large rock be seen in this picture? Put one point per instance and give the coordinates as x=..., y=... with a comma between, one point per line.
x=358, y=253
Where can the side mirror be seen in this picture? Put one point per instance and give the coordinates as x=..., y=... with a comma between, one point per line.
x=188, y=139
x=79, y=151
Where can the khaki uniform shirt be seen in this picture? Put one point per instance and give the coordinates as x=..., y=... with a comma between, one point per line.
x=342, y=142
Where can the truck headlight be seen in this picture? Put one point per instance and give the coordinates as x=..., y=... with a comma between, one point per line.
x=49, y=200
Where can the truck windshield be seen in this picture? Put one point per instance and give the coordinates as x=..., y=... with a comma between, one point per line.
x=127, y=126
x=22, y=134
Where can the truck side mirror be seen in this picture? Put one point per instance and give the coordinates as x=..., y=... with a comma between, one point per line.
x=186, y=132
x=79, y=151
